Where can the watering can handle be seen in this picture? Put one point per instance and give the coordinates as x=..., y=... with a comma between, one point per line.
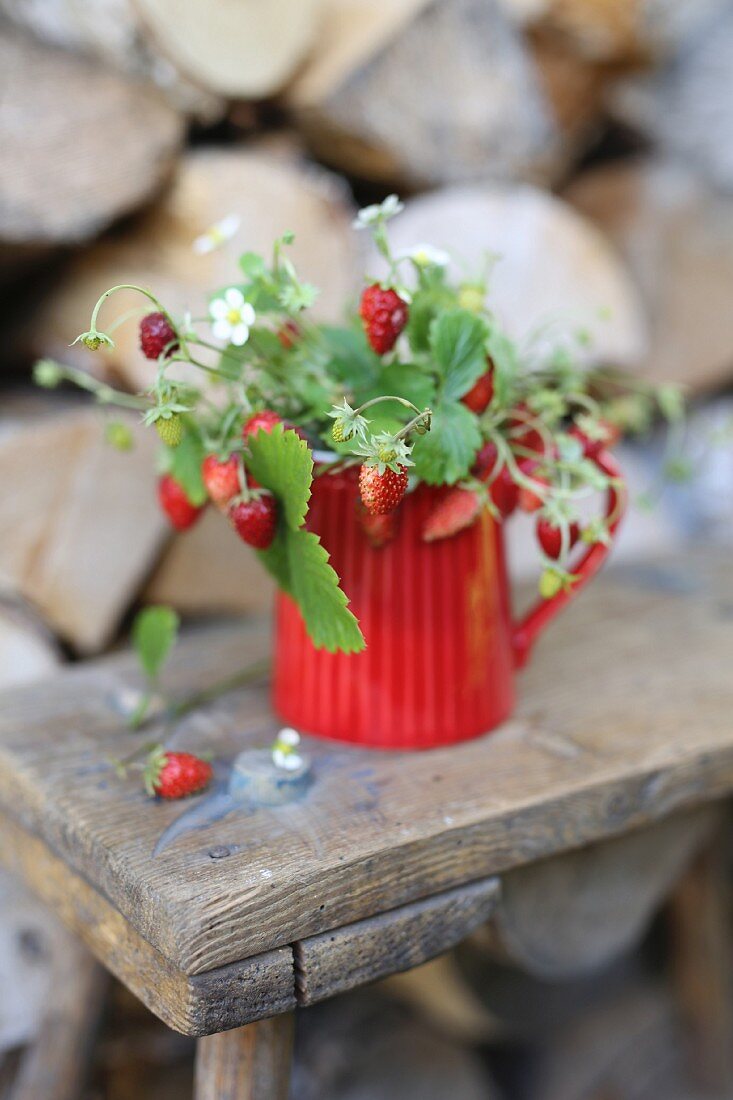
x=528, y=629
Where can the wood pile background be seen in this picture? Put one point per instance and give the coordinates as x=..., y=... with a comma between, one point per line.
x=588, y=143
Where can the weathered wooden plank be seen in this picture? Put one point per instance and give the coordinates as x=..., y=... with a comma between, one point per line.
x=391, y=942
x=220, y=999
x=621, y=722
x=252, y=1063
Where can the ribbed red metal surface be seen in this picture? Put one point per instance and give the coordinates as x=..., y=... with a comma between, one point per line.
x=438, y=664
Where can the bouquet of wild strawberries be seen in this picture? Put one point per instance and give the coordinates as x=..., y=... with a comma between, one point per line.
x=422, y=386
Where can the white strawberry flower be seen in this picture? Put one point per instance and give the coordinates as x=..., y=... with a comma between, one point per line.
x=232, y=317
x=284, y=754
x=217, y=234
x=425, y=254
x=378, y=212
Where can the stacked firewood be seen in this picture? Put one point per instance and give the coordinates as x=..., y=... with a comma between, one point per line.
x=586, y=143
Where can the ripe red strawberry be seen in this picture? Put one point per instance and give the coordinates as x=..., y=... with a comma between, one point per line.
x=379, y=529
x=221, y=478
x=593, y=447
x=157, y=336
x=481, y=393
x=503, y=490
x=530, y=501
x=382, y=493
x=455, y=511
x=255, y=521
x=175, y=774
x=264, y=421
x=550, y=537
x=384, y=315
x=288, y=334
x=172, y=498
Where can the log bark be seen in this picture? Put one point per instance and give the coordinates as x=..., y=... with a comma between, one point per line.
x=676, y=235
x=195, y=52
x=448, y=94
x=71, y=503
x=554, y=270
x=81, y=146
x=569, y=916
x=208, y=571
x=269, y=193
x=54, y=1067
x=685, y=107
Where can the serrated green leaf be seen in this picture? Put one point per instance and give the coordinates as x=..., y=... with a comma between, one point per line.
x=457, y=341
x=400, y=380
x=351, y=360
x=184, y=465
x=446, y=453
x=154, y=633
x=282, y=462
x=299, y=562
x=323, y=605
x=504, y=357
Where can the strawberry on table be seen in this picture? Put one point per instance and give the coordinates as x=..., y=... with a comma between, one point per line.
x=384, y=315
x=173, y=499
x=175, y=774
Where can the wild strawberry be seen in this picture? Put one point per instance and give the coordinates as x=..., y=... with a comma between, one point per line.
x=157, y=336
x=549, y=537
x=175, y=774
x=608, y=436
x=288, y=334
x=221, y=479
x=255, y=521
x=382, y=493
x=529, y=500
x=454, y=512
x=170, y=429
x=480, y=395
x=264, y=421
x=503, y=489
x=379, y=529
x=384, y=315
x=174, y=501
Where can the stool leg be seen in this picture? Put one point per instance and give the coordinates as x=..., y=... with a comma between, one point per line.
x=701, y=964
x=249, y=1063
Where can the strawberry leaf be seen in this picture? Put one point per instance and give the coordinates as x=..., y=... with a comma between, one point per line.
x=446, y=453
x=154, y=633
x=457, y=341
x=183, y=463
x=299, y=563
x=282, y=462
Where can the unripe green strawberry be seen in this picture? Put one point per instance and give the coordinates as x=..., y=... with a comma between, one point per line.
x=170, y=429
x=340, y=433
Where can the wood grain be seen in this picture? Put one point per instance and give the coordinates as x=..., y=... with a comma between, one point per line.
x=391, y=942
x=252, y=1063
x=220, y=999
x=624, y=718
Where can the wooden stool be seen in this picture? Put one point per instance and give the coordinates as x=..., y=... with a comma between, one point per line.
x=223, y=918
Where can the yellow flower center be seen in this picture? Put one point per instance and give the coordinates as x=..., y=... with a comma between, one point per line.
x=234, y=317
